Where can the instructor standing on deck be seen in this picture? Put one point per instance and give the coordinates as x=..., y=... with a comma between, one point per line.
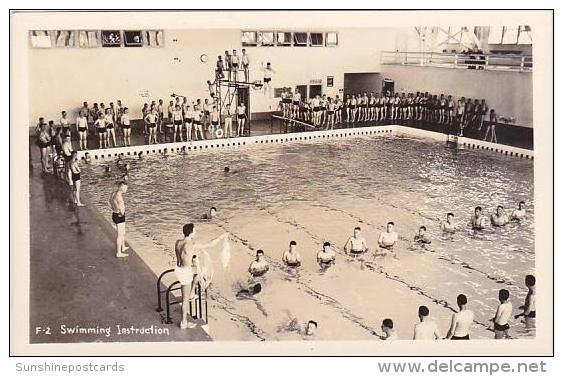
x=118, y=217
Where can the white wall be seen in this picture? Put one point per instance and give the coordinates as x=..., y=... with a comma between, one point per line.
x=61, y=79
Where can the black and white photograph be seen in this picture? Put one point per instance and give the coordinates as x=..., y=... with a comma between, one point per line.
x=283, y=189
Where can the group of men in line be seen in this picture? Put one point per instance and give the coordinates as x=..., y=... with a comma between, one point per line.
x=323, y=111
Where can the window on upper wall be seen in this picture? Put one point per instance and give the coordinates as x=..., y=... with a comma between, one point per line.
x=111, y=38
x=510, y=35
x=266, y=38
x=133, y=38
x=331, y=39
x=525, y=35
x=249, y=38
x=300, y=39
x=40, y=39
x=495, y=35
x=316, y=40
x=283, y=38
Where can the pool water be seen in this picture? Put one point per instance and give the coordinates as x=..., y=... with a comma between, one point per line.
x=316, y=192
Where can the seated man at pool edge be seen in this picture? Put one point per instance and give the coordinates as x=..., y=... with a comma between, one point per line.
x=326, y=256
x=520, y=213
x=387, y=240
x=356, y=244
x=499, y=218
x=259, y=266
x=449, y=226
x=291, y=257
x=478, y=221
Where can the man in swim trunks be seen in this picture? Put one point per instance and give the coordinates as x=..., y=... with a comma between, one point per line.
x=75, y=178
x=326, y=257
x=258, y=267
x=387, y=240
x=291, y=257
x=478, y=221
x=449, y=226
x=520, y=213
x=188, y=268
x=499, y=218
x=426, y=329
x=503, y=314
x=461, y=321
x=421, y=239
x=117, y=204
x=529, y=307
x=356, y=244
x=389, y=334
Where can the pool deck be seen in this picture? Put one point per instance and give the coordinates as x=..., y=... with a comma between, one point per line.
x=508, y=135
x=77, y=280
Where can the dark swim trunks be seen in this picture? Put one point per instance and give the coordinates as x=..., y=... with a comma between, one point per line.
x=501, y=328
x=117, y=218
x=458, y=338
x=531, y=315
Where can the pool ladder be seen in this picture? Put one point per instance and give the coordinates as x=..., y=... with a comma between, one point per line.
x=198, y=307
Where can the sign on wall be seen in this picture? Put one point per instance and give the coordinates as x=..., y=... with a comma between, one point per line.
x=329, y=81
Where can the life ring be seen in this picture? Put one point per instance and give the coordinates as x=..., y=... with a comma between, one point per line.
x=219, y=133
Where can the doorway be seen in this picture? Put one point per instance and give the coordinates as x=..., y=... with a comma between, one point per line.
x=315, y=90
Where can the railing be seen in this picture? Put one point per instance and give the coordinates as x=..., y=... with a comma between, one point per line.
x=196, y=308
x=499, y=62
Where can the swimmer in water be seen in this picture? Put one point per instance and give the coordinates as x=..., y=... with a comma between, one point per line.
x=291, y=257
x=478, y=221
x=227, y=171
x=250, y=291
x=520, y=213
x=529, y=307
x=499, y=218
x=461, y=321
x=389, y=333
x=326, y=257
x=421, y=239
x=387, y=240
x=503, y=314
x=258, y=267
x=356, y=244
x=311, y=328
x=449, y=226
x=212, y=214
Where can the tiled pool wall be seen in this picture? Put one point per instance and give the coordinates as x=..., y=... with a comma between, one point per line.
x=300, y=137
